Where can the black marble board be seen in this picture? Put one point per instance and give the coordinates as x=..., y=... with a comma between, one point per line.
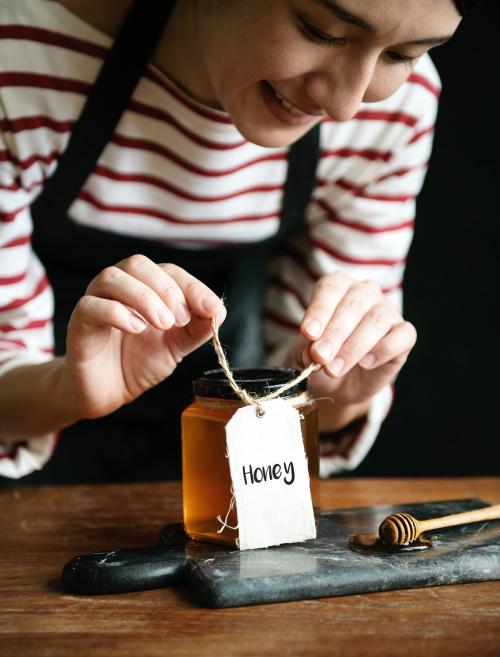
x=219, y=576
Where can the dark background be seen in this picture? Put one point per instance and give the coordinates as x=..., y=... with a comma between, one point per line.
x=445, y=417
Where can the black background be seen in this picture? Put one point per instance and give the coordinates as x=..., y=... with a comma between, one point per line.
x=445, y=416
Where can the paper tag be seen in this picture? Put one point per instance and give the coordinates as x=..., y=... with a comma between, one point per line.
x=270, y=478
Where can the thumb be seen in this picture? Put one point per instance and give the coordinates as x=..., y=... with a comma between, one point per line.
x=300, y=353
x=182, y=340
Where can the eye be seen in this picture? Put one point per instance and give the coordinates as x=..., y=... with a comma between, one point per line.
x=317, y=35
x=402, y=59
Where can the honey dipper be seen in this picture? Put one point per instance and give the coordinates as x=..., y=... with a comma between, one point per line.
x=403, y=529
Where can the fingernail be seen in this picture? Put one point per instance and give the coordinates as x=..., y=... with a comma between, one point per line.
x=313, y=328
x=336, y=366
x=166, y=318
x=210, y=304
x=221, y=315
x=367, y=361
x=137, y=323
x=182, y=315
x=324, y=349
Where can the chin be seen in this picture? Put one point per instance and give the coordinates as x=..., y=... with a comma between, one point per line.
x=271, y=137
x=257, y=124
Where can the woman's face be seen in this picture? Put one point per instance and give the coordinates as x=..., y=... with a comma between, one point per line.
x=278, y=66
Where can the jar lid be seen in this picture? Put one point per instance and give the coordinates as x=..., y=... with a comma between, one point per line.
x=259, y=381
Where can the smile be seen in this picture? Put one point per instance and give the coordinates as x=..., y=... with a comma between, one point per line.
x=284, y=110
x=288, y=106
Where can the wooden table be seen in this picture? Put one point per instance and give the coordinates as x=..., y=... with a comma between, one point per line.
x=41, y=528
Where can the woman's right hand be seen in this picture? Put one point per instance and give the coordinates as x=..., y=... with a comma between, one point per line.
x=134, y=325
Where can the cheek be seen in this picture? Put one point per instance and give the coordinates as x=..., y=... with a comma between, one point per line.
x=240, y=57
x=386, y=81
x=266, y=62
x=238, y=84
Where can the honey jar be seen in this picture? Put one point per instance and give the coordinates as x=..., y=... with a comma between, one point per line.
x=206, y=479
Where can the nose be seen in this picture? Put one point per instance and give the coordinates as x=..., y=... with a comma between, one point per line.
x=340, y=87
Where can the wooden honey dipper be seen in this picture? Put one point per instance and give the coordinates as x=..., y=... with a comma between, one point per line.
x=404, y=529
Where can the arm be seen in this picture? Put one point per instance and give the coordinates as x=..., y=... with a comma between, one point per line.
x=25, y=314
x=360, y=227
x=32, y=402
x=135, y=323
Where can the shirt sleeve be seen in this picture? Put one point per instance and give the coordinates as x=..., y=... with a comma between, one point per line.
x=360, y=220
x=26, y=303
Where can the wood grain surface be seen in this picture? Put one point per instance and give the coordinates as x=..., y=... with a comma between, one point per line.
x=41, y=528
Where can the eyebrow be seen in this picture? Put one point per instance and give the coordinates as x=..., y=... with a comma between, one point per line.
x=431, y=41
x=344, y=15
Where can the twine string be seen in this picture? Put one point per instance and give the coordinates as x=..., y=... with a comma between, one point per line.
x=241, y=392
x=249, y=399
x=224, y=523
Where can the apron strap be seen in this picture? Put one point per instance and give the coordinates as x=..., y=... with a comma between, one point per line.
x=130, y=53
x=303, y=160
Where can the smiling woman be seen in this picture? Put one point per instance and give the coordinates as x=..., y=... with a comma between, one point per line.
x=150, y=163
x=322, y=58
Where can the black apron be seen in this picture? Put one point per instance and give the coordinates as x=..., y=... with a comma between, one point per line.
x=141, y=441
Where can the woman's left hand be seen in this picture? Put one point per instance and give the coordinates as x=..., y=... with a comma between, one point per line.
x=356, y=334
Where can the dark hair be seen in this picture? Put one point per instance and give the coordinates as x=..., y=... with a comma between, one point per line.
x=465, y=6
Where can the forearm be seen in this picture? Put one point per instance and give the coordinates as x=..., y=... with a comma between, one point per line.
x=32, y=401
x=336, y=415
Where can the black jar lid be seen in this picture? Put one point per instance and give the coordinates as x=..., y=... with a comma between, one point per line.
x=258, y=381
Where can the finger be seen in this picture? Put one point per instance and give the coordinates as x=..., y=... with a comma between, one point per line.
x=114, y=283
x=301, y=357
x=377, y=323
x=349, y=312
x=155, y=277
x=299, y=353
x=327, y=293
x=393, y=348
x=91, y=312
x=199, y=297
x=182, y=341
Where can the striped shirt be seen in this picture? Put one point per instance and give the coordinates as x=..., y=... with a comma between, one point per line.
x=180, y=173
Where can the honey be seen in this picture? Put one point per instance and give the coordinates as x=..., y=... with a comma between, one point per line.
x=206, y=478
x=371, y=544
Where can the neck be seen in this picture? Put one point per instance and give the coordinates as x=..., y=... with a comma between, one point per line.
x=106, y=17
x=180, y=53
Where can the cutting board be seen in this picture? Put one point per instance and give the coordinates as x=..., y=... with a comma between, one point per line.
x=219, y=576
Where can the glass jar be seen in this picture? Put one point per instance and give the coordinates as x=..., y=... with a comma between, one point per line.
x=206, y=479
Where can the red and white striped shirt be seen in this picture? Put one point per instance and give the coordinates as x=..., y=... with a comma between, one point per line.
x=179, y=172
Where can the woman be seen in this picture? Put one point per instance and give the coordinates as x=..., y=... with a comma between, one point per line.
x=185, y=162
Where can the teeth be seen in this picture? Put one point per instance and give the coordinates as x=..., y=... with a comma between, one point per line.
x=288, y=106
